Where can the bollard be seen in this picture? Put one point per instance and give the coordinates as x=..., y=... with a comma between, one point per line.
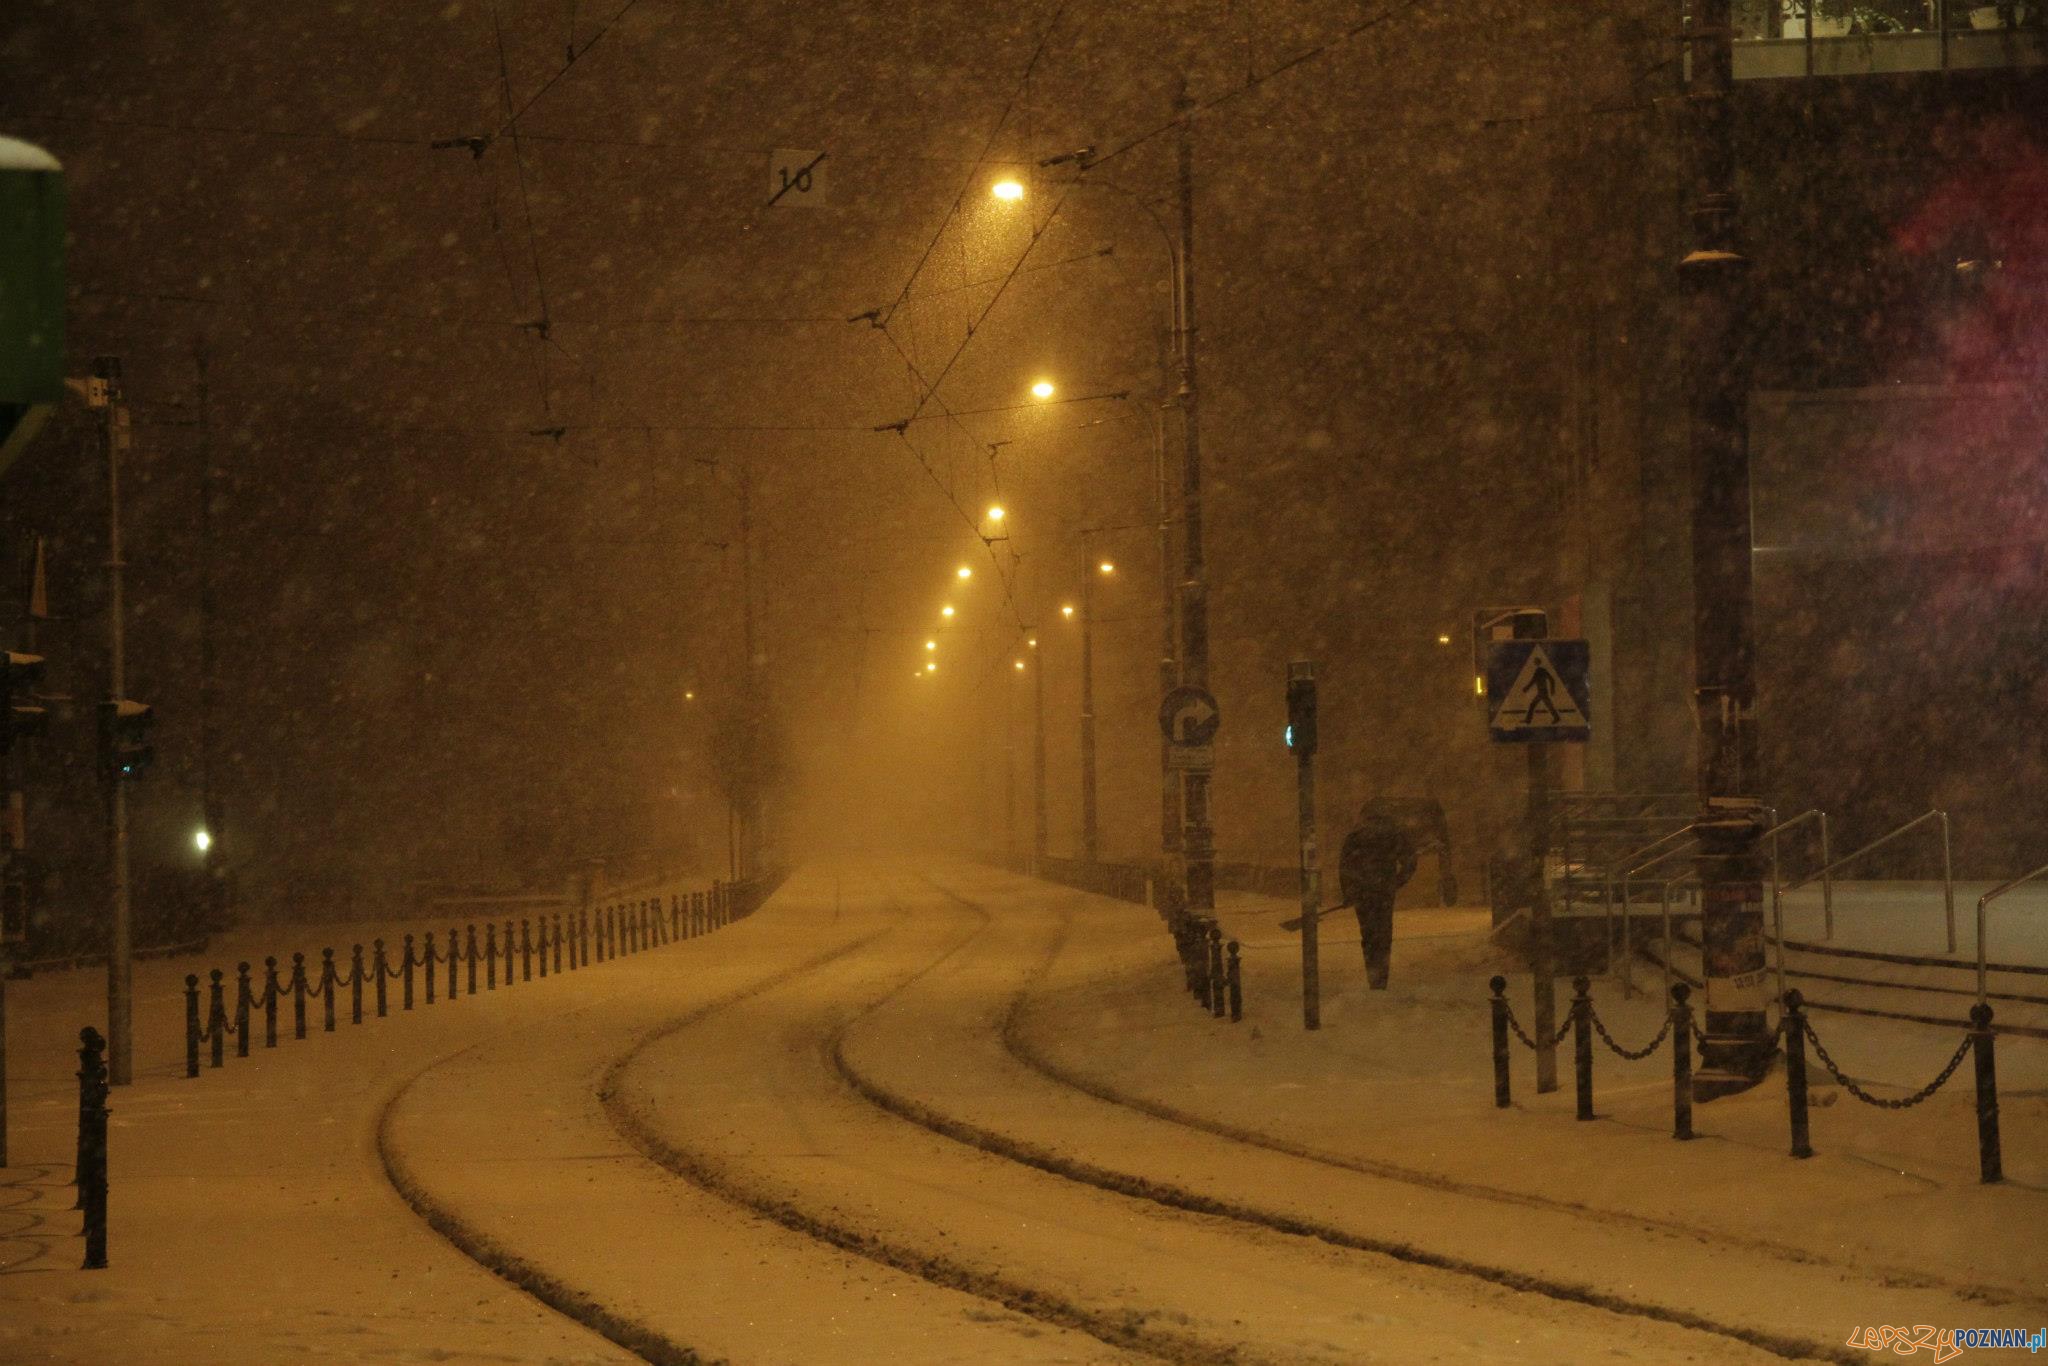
x=490, y=955
x=582, y=953
x=454, y=954
x=299, y=995
x=599, y=935
x=558, y=941
x=1681, y=1061
x=472, y=958
x=355, y=985
x=675, y=917
x=526, y=950
x=429, y=959
x=405, y=965
x=92, y=1144
x=1217, y=1002
x=217, y=1019
x=1236, y=985
x=508, y=953
x=543, y=956
x=1794, y=1026
x=191, y=1024
x=270, y=995
x=244, y=998
x=380, y=968
x=1990, y=1162
x=327, y=984
x=1500, y=1042
x=1582, y=1044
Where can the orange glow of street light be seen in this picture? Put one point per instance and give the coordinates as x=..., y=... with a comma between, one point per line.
x=1106, y=567
x=1443, y=640
x=1033, y=642
x=1009, y=191
x=931, y=645
x=932, y=667
x=1019, y=663
x=995, y=513
x=1043, y=389
x=947, y=610
x=1067, y=610
x=964, y=572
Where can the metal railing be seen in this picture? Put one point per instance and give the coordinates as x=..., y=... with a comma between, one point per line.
x=1948, y=882
x=1983, y=901
x=1627, y=949
x=1607, y=897
x=1827, y=883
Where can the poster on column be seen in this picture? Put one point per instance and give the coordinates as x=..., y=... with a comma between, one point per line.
x=1732, y=947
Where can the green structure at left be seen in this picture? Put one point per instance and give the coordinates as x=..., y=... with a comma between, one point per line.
x=31, y=292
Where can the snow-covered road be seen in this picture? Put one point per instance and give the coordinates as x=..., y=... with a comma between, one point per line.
x=936, y=1113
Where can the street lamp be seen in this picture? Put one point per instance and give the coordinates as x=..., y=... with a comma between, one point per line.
x=1007, y=190
x=202, y=841
x=995, y=512
x=1090, y=835
x=963, y=572
x=1043, y=389
x=946, y=611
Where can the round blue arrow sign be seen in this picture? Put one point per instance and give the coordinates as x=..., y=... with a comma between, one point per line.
x=1188, y=716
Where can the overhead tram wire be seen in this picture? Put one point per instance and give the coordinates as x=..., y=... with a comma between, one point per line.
x=540, y=283
x=988, y=145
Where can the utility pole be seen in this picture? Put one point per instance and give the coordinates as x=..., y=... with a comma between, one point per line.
x=104, y=393
x=1091, y=843
x=1010, y=766
x=748, y=820
x=209, y=795
x=1168, y=882
x=1737, y=1046
x=1038, y=815
x=1198, y=840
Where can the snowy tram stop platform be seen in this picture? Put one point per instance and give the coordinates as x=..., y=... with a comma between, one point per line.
x=935, y=1111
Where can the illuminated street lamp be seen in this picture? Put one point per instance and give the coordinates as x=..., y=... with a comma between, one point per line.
x=1090, y=842
x=1043, y=389
x=1067, y=611
x=202, y=841
x=995, y=513
x=932, y=666
x=947, y=610
x=963, y=572
x=931, y=645
x=1007, y=190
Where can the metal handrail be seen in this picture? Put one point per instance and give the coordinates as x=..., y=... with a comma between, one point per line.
x=1948, y=882
x=1827, y=884
x=1659, y=842
x=1664, y=899
x=1986, y=900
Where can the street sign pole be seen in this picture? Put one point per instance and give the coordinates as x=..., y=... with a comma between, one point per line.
x=1188, y=718
x=1542, y=943
x=1301, y=691
x=120, y=943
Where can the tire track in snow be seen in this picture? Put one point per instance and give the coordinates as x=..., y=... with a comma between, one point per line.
x=648, y=1343
x=1124, y=1330
x=1196, y=1202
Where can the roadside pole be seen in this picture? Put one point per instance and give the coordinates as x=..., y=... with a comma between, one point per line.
x=1301, y=738
x=1537, y=694
x=105, y=395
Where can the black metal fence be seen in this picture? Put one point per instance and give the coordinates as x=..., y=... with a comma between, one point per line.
x=430, y=968
x=1794, y=1031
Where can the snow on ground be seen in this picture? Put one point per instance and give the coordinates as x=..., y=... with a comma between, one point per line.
x=972, y=1116
x=1404, y=1077
x=250, y=1221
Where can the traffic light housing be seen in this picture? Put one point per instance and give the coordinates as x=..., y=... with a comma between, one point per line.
x=1301, y=713
x=20, y=717
x=125, y=750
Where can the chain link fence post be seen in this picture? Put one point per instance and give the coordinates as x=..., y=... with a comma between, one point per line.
x=328, y=982
x=1499, y=987
x=244, y=998
x=1681, y=1061
x=91, y=1173
x=1990, y=1162
x=1794, y=1026
x=191, y=1024
x=217, y=1019
x=1582, y=1044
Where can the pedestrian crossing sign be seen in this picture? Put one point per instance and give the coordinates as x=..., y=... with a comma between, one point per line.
x=1536, y=691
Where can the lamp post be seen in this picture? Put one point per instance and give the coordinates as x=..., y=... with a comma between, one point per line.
x=1091, y=842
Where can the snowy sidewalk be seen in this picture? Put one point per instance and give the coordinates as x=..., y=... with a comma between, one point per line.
x=1403, y=1078
x=250, y=1219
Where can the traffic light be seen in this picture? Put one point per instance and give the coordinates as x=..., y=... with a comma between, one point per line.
x=125, y=750
x=1301, y=710
x=20, y=716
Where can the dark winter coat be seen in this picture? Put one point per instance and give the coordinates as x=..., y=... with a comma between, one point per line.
x=1377, y=859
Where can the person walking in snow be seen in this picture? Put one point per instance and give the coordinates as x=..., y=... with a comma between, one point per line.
x=1378, y=857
